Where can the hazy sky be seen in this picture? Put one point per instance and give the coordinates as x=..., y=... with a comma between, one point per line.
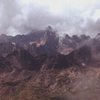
x=66, y=16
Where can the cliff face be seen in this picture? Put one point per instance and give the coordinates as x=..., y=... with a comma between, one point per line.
x=39, y=66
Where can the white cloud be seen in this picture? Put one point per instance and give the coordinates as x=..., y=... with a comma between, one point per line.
x=68, y=16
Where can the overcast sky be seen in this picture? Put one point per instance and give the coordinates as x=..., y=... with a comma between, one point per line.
x=65, y=16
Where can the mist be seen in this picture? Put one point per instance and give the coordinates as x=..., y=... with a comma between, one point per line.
x=67, y=17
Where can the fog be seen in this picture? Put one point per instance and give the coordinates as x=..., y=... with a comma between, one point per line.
x=67, y=17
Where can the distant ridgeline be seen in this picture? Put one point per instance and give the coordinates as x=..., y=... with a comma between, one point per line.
x=45, y=48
